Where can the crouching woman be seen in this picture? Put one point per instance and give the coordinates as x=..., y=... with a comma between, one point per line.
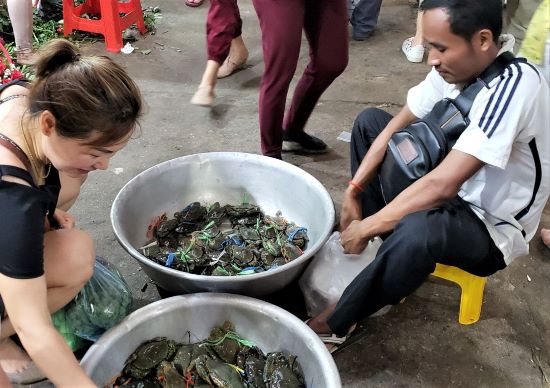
x=77, y=113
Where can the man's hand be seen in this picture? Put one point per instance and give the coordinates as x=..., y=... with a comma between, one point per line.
x=351, y=208
x=64, y=219
x=354, y=239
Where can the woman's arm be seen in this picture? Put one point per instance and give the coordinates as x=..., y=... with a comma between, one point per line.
x=70, y=189
x=25, y=301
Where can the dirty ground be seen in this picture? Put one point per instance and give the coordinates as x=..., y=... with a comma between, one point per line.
x=419, y=343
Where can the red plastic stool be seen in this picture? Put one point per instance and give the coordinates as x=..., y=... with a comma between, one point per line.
x=110, y=24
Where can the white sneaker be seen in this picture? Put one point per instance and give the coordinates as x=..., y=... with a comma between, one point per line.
x=414, y=54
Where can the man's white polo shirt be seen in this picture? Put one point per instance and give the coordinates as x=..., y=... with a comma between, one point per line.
x=510, y=132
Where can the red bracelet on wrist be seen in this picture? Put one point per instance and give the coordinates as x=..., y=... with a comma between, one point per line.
x=356, y=186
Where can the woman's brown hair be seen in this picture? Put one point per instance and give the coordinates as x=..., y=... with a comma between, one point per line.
x=87, y=95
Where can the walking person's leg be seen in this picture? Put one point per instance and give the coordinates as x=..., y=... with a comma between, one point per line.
x=281, y=23
x=413, y=47
x=238, y=53
x=20, y=12
x=223, y=24
x=364, y=18
x=325, y=25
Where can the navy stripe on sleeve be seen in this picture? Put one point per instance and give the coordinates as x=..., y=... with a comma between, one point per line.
x=488, y=106
x=487, y=117
x=507, y=103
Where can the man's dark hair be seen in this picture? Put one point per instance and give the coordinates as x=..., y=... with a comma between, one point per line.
x=467, y=17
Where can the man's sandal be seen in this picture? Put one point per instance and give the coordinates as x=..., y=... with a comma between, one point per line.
x=334, y=340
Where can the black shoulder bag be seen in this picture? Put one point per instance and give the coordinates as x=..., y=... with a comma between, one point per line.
x=422, y=145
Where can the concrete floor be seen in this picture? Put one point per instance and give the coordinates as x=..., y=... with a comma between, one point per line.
x=418, y=343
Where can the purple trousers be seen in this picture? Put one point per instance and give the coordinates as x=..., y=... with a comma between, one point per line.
x=325, y=23
x=223, y=24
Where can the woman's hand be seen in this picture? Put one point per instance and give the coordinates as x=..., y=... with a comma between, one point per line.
x=351, y=208
x=64, y=219
x=354, y=239
x=26, y=304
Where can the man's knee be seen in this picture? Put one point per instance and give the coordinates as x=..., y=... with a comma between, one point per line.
x=368, y=124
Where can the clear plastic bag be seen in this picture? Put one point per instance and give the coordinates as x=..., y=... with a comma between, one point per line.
x=103, y=302
x=331, y=271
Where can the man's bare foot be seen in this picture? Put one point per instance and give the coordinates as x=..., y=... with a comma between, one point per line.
x=545, y=236
x=13, y=359
x=319, y=325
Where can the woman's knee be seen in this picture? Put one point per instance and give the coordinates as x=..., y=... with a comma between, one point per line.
x=69, y=257
x=81, y=257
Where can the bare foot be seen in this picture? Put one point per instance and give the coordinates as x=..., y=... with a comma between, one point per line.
x=4, y=379
x=204, y=96
x=13, y=359
x=545, y=236
x=26, y=57
x=319, y=325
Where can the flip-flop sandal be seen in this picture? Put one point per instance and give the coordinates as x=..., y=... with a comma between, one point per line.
x=31, y=374
x=191, y=3
x=332, y=339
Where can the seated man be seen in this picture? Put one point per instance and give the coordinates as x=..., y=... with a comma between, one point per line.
x=480, y=207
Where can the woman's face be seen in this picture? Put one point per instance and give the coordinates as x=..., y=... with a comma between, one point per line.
x=75, y=157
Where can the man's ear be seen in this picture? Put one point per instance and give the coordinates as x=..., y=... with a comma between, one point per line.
x=485, y=39
x=46, y=123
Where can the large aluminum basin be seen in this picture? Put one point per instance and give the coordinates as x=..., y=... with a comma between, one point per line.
x=268, y=326
x=226, y=177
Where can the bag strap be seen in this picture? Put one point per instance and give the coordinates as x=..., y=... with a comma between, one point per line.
x=12, y=146
x=466, y=98
x=7, y=170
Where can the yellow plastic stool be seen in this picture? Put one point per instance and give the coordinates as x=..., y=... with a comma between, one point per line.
x=472, y=291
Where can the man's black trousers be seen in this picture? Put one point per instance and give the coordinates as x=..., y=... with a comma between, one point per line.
x=450, y=234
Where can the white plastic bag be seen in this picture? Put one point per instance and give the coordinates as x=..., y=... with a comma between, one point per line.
x=331, y=271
